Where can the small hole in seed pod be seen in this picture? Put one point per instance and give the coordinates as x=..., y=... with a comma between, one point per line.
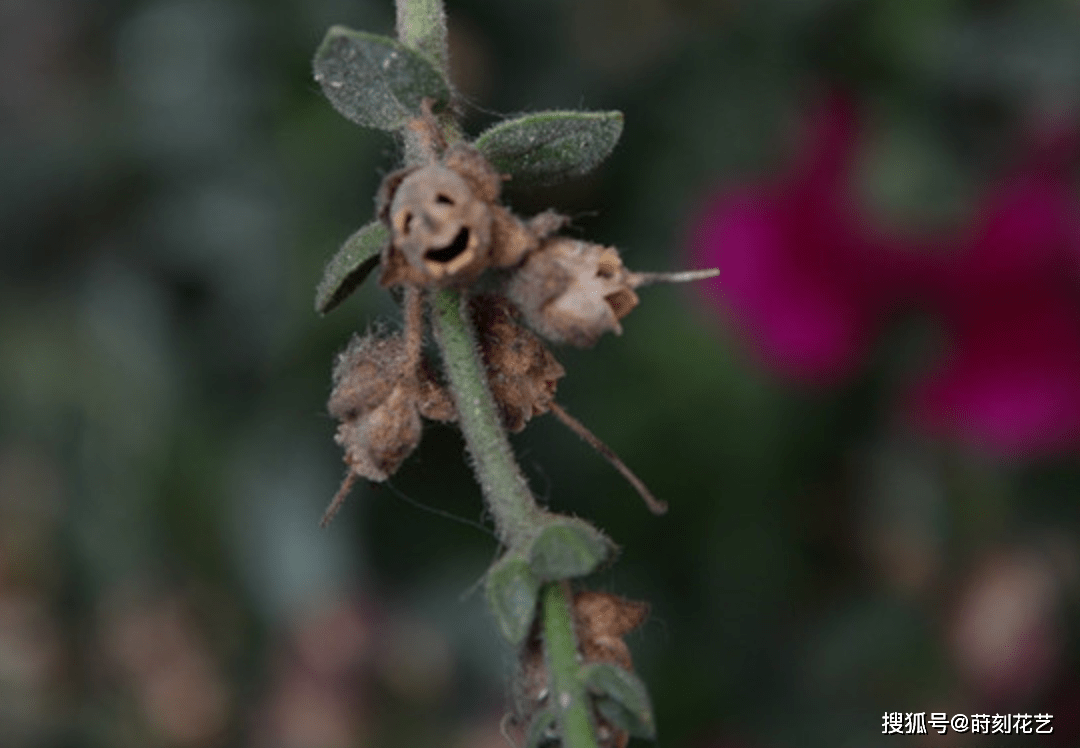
x=404, y=221
x=452, y=250
x=441, y=198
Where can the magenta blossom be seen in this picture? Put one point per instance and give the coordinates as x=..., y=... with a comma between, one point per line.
x=1010, y=382
x=799, y=269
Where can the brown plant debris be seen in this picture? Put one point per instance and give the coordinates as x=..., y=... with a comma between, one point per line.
x=601, y=620
x=522, y=373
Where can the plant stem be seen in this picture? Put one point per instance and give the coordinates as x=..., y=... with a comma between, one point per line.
x=517, y=517
x=560, y=649
x=422, y=24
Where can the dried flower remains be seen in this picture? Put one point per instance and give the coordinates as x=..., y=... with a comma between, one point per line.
x=446, y=228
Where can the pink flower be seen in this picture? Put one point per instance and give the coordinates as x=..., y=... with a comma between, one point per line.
x=1010, y=381
x=799, y=270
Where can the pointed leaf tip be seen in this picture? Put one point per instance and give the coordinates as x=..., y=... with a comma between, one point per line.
x=351, y=266
x=550, y=147
x=374, y=80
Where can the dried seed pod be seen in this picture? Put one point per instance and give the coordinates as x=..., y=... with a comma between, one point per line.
x=447, y=226
x=374, y=397
x=572, y=291
x=522, y=373
x=440, y=226
x=381, y=389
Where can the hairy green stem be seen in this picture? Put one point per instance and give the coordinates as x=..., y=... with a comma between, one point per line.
x=567, y=692
x=421, y=24
x=517, y=516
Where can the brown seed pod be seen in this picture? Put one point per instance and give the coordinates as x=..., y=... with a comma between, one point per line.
x=374, y=398
x=522, y=373
x=381, y=389
x=572, y=291
x=440, y=226
x=447, y=226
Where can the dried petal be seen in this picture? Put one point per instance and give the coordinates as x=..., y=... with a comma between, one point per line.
x=572, y=291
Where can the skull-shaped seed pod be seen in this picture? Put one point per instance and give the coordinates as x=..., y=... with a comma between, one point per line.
x=572, y=291
x=522, y=373
x=440, y=228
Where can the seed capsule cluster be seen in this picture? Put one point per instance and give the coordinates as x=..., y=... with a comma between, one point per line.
x=447, y=228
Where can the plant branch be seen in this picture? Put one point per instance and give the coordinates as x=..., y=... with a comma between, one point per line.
x=567, y=691
x=518, y=519
x=517, y=516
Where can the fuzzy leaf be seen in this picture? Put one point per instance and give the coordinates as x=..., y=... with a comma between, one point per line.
x=351, y=266
x=622, y=698
x=512, y=590
x=375, y=81
x=568, y=548
x=540, y=729
x=549, y=147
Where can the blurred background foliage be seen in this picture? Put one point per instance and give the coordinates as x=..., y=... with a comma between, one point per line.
x=171, y=184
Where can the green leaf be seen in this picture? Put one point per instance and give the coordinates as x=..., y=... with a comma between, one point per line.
x=568, y=548
x=351, y=266
x=375, y=81
x=541, y=729
x=512, y=590
x=549, y=147
x=622, y=698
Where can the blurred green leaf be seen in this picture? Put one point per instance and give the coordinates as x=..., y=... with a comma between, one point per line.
x=351, y=266
x=512, y=590
x=568, y=548
x=622, y=698
x=541, y=729
x=549, y=147
x=375, y=81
